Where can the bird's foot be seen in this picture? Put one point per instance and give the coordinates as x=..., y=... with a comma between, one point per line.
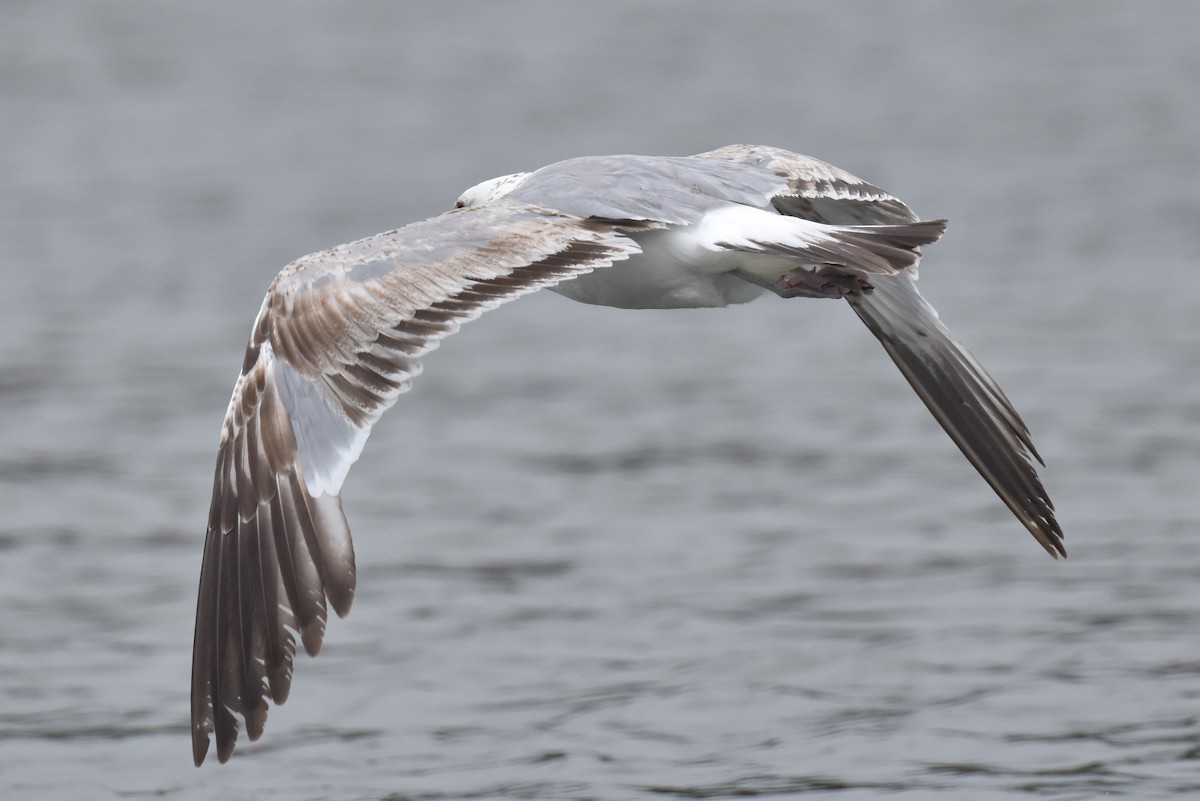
x=827, y=282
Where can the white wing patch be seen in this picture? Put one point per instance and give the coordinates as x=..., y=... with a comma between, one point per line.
x=327, y=443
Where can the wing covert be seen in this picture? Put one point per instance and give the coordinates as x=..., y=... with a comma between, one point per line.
x=816, y=190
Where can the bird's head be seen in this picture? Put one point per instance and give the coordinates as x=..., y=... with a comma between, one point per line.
x=490, y=191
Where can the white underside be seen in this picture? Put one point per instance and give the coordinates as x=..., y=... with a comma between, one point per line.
x=693, y=266
x=673, y=272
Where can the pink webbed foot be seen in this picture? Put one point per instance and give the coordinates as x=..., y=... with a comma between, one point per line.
x=828, y=282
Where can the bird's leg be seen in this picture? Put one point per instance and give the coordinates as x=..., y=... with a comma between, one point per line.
x=850, y=282
x=827, y=282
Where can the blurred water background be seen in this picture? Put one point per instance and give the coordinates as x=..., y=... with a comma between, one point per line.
x=609, y=554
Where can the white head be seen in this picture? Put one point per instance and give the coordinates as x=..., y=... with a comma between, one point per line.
x=490, y=191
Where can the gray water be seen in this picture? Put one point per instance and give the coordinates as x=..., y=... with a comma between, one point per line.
x=610, y=554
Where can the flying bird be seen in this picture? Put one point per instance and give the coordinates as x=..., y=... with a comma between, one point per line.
x=341, y=333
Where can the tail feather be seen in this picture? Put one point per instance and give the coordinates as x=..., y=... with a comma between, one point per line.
x=896, y=243
x=869, y=249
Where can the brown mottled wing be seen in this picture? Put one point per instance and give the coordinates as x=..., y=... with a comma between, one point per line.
x=814, y=190
x=337, y=339
x=956, y=388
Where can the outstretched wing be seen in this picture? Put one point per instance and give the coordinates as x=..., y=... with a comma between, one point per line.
x=956, y=388
x=964, y=398
x=337, y=339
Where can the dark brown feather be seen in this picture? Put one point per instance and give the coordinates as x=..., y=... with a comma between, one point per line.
x=251, y=624
x=226, y=668
x=965, y=400
x=306, y=593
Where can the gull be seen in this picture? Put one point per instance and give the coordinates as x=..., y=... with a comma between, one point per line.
x=341, y=333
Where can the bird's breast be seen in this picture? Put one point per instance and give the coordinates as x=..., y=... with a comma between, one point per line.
x=667, y=274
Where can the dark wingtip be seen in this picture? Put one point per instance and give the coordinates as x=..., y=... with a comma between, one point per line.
x=342, y=601
x=256, y=720
x=1048, y=533
x=199, y=746
x=1054, y=547
x=225, y=747
x=965, y=400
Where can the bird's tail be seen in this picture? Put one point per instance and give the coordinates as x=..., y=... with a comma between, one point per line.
x=892, y=248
